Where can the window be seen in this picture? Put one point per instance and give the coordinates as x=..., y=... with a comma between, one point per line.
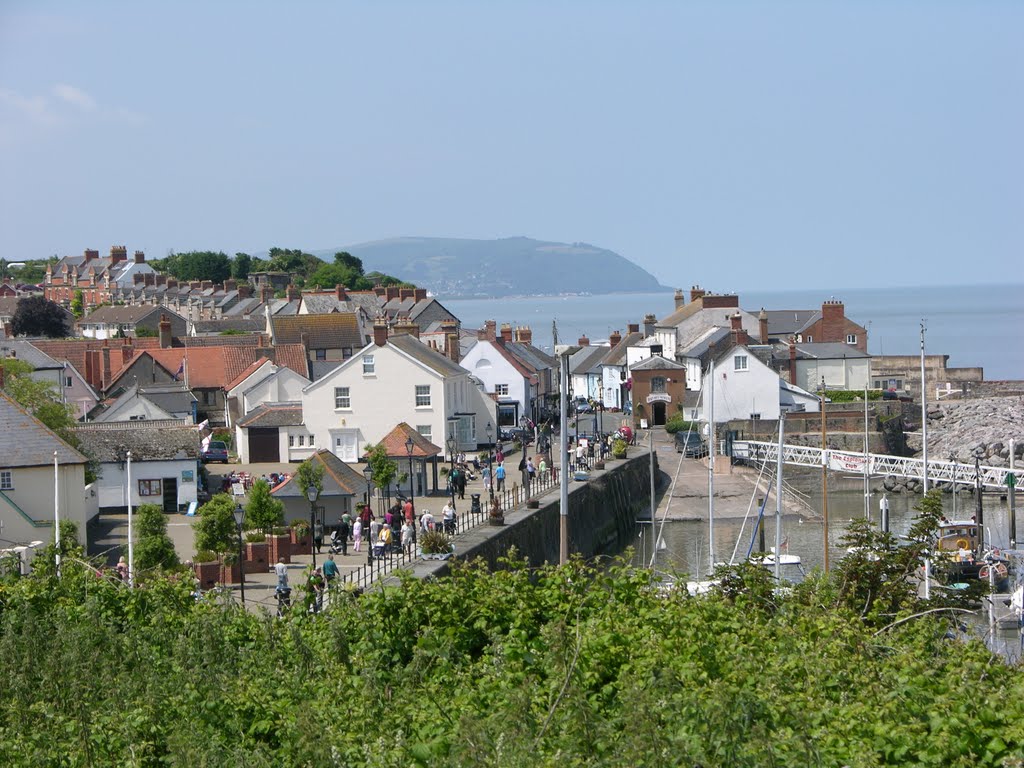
x=425, y=430
x=501, y=390
x=342, y=399
x=739, y=363
x=658, y=384
x=422, y=395
x=68, y=382
x=369, y=366
x=311, y=441
x=291, y=441
x=302, y=441
x=809, y=339
x=851, y=338
x=149, y=488
x=6, y=480
x=320, y=354
x=346, y=352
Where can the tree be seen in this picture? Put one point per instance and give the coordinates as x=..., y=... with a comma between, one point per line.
x=197, y=265
x=78, y=303
x=263, y=511
x=384, y=470
x=37, y=316
x=215, y=529
x=347, y=260
x=241, y=266
x=154, y=548
x=310, y=473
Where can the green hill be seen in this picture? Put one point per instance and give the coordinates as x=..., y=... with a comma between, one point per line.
x=513, y=266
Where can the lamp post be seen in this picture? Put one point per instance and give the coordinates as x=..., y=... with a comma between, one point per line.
x=239, y=520
x=489, y=431
x=409, y=445
x=952, y=460
x=312, y=493
x=450, y=442
x=524, y=425
x=368, y=476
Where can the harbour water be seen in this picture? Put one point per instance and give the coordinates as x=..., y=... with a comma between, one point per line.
x=976, y=325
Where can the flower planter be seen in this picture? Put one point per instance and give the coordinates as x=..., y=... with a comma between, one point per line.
x=301, y=543
x=279, y=548
x=533, y=504
x=230, y=574
x=256, y=557
x=207, y=573
x=599, y=465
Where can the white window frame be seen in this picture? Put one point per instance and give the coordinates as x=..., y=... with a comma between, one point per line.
x=422, y=399
x=851, y=338
x=342, y=398
x=291, y=441
x=302, y=441
x=501, y=390
x=6, y=480
x=369, y=366
x=740, y=363
x=426, y=431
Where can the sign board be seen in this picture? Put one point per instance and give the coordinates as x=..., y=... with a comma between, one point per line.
x=659, y=397
x=237, y=489
x=848, y=463
x=643, y=423
x=1011, y=480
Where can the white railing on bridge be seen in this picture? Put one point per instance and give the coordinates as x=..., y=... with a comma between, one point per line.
x=877, y=463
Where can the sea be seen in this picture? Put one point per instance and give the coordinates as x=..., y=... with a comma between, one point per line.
x=975, y=325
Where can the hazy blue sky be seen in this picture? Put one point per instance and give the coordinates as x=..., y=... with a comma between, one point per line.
x=738, y=145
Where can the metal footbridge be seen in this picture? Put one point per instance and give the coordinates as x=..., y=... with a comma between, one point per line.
x=875, y=464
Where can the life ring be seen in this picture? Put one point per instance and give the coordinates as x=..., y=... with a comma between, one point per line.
x=963, y=544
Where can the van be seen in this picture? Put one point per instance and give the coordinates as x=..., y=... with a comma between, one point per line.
x=691, y=445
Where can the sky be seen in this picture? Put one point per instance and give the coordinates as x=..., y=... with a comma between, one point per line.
x=759, y=144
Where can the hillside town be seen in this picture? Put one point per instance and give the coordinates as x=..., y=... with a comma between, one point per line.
x=159, y=370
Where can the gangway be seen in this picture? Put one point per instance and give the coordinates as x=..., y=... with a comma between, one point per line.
x=877, y=463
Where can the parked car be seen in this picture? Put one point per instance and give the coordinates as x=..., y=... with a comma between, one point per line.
x=583, y=405
x=691, y=445
x=217, y=450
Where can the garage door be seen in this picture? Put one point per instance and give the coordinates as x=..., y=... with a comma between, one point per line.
x=264, y=445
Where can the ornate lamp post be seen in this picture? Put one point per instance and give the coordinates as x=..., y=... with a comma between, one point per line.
x=239, y=521
x=409, y=445
x=368, y=476
x=489, y=431
x=312, y=493
x=524, y=425
x=450, y=443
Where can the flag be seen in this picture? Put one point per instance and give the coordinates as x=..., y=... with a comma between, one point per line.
x=204, y=424
x=181, y=369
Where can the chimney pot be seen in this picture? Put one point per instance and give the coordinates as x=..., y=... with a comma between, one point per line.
x=633, y=328
x=380, y=332
x=341, y=293
x=696, y=292
x=615, y=339
x=140, y=257
x=583, y=341
x=680, y=298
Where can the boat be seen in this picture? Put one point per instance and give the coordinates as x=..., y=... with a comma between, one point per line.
x=959, y=561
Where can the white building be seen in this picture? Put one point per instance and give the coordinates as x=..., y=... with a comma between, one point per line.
x=746, y=388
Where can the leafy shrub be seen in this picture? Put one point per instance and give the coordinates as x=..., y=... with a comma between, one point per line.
x=206, y=556
x=678, y=424
x=619, y=448
x=435, y=543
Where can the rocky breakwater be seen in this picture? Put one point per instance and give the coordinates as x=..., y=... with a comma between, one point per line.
x=966, y=428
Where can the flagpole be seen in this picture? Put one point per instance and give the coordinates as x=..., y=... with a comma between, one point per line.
x=56, y=513
x=131, y=548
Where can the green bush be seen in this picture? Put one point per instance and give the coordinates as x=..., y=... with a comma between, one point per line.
x=678, y=424
x=435, y=543
x=619, y=448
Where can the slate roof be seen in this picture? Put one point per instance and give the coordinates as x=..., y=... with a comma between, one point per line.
x=27, y=442
x=273, y=415
x=617, y=354
x=9, y=305
x=26, y=351
x=827, y=350
x=170, y=398
x=339, y=479
x=657, y=363
x=236, y=323
x=394, y=443
x=320, y=368
x=789, y=322
x=147, y=440
x=587, y=359
x=533, y=356
x=420, y=352
x=705, y=342
x=331, y=331
x=127, y=314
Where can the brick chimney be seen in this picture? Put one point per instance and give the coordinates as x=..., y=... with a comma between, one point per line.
x=406, y=293
x=524, y=335
x=615, y=338
x=649, y=323
x=833, y=321
x=105, y=364
x=341, y=293
x=736, y=321
x=506, y=334
x=149, y=278
x=127, y=350
x=633, y=328
x=90, y=254
x=244, y=291
x=230, y=285
x=266, y=293
x=491, y=330
x=118, y=253
x=792, y=361
x=165, y=332
x=292, y=293
x=380, y=290
x=172, y=282
x=680, y=298
x=720, y=301
x=138, y=277
x=762, y=326
x=207, y=285
x=392, y=292
x=481, y=334
x=380, y=331
x=420, y=294
x=583, y=341
x=161, y=279
x=407, y=326
x=450, y=329
x=140, y=257
x=696, y=292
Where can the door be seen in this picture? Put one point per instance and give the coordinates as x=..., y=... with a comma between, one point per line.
x=264, y=445
x=344, y=445
x=658, y=411
x=170, y=494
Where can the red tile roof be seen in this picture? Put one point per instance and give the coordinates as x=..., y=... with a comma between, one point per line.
x=394, y=443
x=247, y=373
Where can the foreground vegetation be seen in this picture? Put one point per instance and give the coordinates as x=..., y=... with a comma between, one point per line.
x=550, y=667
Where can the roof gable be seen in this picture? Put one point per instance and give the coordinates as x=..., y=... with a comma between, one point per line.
x=27, y=442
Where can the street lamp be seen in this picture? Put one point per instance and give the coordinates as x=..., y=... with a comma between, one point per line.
x=524, y=425
x=312, y=493
x=368, y=476
x=409, y=445
x=489, y=431
x=239, y=520
x=450, y=442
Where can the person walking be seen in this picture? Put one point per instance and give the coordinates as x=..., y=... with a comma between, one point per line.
x=122, y=569
x=343, y=533
x=318, y=535
x=346, y=519
x=315, y=591
x=485, y=475
x=282, y=575
x=375, y=526
x=330, y=570
x=357, y=535
x=499, y=476
x=407, y=538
